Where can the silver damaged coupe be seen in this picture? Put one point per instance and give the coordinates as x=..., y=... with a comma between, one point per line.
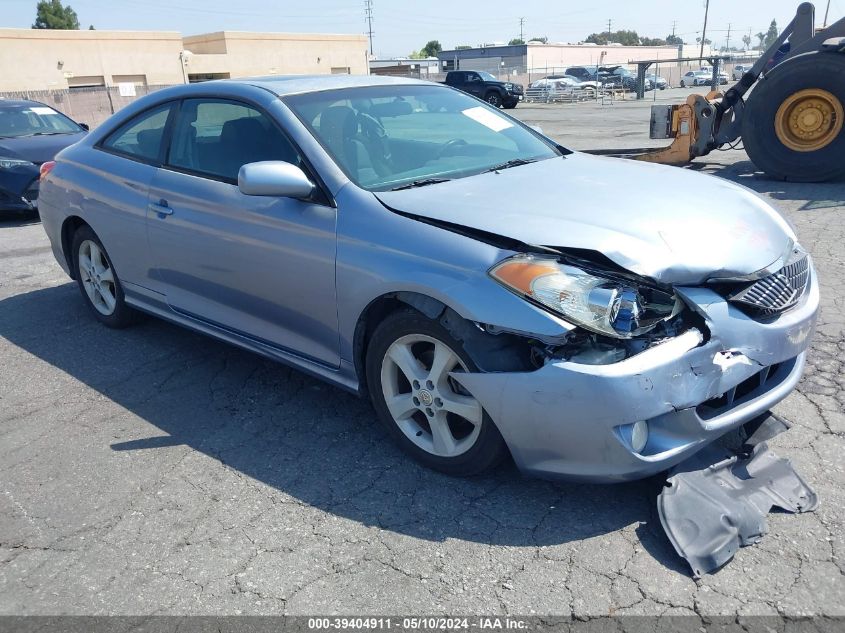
x=401, y=239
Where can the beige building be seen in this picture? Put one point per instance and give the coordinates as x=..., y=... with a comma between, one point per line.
x=240, y=54
x=35, y=59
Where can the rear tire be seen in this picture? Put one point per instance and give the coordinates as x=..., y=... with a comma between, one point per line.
x=408, y=361
x=769, y=132
x=98, y=281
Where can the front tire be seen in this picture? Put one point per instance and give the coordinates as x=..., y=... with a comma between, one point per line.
x=494, y=99
x=794, y=122
x=98, y=282
x=426, y=411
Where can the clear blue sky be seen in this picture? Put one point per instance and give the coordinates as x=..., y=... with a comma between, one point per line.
x=401, y=26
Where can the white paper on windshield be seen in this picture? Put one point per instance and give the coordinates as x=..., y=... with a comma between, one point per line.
x=42, y=110
x=487, y=118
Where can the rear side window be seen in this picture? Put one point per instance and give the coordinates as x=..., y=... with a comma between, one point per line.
x=141, y=137
x=215, y=137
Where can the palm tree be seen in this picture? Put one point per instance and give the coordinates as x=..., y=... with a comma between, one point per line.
x=761, y=37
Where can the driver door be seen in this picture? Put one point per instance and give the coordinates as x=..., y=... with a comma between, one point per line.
x=258, y=266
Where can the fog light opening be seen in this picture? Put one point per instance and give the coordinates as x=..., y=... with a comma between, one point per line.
x=639, y=435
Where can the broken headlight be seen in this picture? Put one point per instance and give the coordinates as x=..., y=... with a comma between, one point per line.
x=604, y=305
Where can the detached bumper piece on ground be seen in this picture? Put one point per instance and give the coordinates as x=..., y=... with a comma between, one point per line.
x=717, y=501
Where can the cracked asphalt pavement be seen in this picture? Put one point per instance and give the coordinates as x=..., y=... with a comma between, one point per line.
x=155, y=471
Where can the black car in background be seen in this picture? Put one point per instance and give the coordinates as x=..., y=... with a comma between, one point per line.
x=485, y=86
x=31, y=133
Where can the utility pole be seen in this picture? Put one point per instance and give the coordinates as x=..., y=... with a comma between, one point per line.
x=826, y=11
x=609, y=22
x=521, y=32
x=674, y=24
x=704, y=30
x=728, y=39
x=368, y=8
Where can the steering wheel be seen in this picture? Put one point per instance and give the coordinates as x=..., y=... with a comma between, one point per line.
x=375, y=138
x=448, y=145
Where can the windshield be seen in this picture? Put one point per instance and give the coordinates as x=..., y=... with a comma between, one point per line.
x=384, y=137
x=32, y=120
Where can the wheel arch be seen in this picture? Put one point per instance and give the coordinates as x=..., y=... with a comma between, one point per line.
x=489, y=351
x=70, y=226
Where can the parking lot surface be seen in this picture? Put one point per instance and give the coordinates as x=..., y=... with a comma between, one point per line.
x=152, y=470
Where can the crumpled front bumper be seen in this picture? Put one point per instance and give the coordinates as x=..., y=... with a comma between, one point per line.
x=573, y=421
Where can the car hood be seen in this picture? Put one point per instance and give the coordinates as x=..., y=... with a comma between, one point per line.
x=669, y=224
x=37, y=149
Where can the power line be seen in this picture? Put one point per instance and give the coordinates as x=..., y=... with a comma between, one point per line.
x=368, y=8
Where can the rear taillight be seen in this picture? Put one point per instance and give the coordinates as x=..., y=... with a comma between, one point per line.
x=46, y=168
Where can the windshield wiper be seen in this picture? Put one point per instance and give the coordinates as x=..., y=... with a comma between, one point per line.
x=422, y=182
x=46, y=133
x=513, y=162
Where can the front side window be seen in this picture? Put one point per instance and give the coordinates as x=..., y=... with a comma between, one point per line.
x=142, y=136
x=34, y=120
x=385, y=137
x=215, y=137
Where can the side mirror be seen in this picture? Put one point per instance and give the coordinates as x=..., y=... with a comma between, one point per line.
x=274, y=178
x=84, y=126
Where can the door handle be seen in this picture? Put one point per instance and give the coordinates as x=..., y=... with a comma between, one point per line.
x=161, y=207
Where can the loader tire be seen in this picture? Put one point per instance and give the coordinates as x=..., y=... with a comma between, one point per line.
x=794, y=122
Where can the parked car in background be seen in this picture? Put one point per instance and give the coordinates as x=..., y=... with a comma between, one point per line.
x=657, y=81
x=575, y=81
x=739, y=70
x=628, y=79
x=696, y=78
x=359, y=228
x=561, y=87
x=485, y=86
x=30, y=134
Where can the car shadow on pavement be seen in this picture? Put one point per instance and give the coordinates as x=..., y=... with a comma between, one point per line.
x=308, y=440
x=9, y=220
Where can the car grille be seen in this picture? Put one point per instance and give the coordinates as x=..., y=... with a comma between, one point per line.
x=758, y=384
x=779, y=291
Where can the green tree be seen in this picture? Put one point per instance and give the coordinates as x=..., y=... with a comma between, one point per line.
x=626, y=38
x=746, y=39
x=91, y=27
x=760, y=37
x=516, y=41
x=652, y=41
x=50, y=14
x=543, y=39
x=431, y=49
x=674, y=40
x=771, y=34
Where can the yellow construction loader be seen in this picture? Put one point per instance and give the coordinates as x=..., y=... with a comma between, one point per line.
x=791, y=123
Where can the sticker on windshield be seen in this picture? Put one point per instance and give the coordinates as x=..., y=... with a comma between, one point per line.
x=487, y=118
x=42, y=110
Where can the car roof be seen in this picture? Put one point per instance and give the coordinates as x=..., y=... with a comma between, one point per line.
x=282, y=85
x=17, y=103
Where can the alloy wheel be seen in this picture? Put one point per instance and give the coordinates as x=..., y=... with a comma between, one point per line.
x=97, y=277
x=426, y=403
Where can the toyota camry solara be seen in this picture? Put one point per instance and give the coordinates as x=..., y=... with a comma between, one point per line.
x=405, y=241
